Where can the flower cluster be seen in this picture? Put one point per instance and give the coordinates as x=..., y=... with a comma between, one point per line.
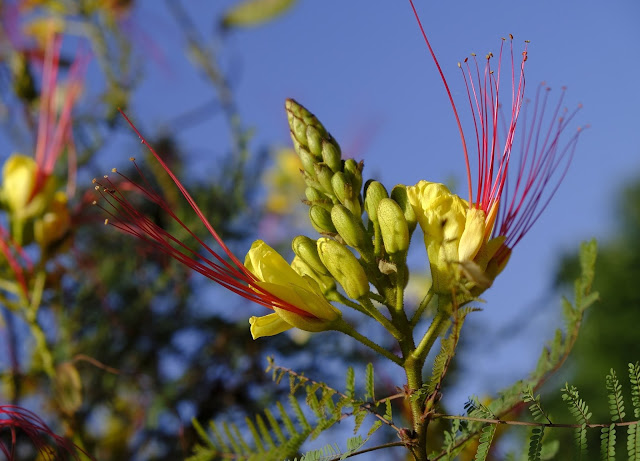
x=365, y=231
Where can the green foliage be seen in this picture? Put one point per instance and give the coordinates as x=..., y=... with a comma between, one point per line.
x=580, y=411
x=614, y=390
x=535, y=408
x=633, y=442
x=608, y=443
x=634, y=378
x=552, y=357
x=328, y=407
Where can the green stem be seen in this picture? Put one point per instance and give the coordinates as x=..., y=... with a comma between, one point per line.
x=421, y=308
x=438, y=325
x=385, y=322
x=337, y=297
x=31, y=315
x=413, y=368
x=347, y=329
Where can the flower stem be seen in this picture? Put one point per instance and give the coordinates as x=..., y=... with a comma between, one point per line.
x=438, y=325
x=376, y=314
x=347, y=329
x=421, y=308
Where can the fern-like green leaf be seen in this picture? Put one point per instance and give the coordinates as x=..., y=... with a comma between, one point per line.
x=581, y=440
x=235, y=446
x=369, y=383
x=535, y=444
x=299, y=414
x=388, y=413
x=265, y=436
x=254, y=433
x=351, y=383
x=633, y=442
x=218, y=436
x=486, y=438
x=608, y=443
x=359, y=419
x=274, y=425
x=577, y=407
x=439, y=364
x=376, y=425
x=614, y=392
x=536, y=407
x=244, y=447
x=634, y=378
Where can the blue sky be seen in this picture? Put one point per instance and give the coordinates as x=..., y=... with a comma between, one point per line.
x=363, y=69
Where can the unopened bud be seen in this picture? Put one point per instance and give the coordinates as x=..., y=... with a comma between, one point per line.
x=306, y=249
x=374, y=192
x=326, y=283
x=344, y=267
x=299, y=130
x=321, y=220
x=308, y=162
x=353, y=171
x=314, y=141
x=393, y=226
x=351, y=228
x=345, y=193
x=314, y=195
x=331, y=155
x=399, y=194
x=324, y=175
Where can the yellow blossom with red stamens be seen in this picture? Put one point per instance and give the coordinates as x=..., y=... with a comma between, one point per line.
x=265, y=278
x=277, y=277
x=476, y=237
x=27, y=184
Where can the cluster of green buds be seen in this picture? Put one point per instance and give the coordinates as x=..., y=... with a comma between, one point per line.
x=355, y=250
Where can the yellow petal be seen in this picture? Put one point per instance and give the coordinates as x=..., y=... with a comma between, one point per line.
x=18, y=178
x=267, y=325
x=308, y=301
x=473, y=235
x=268, y=266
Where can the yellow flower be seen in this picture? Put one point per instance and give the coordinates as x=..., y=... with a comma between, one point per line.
x=55, y=223
x=296, y=299
x=18, y=182
x=453, y=233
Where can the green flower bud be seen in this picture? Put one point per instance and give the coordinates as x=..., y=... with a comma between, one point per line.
x=351, y=229
x=314, y=141
x=321, y=220
x=299, y=130
x=374, y=192
x=308, y=162
x=393, y=226
x=344, y=267
x=343, y=190
x=306, y=249
x=353, y=171
x=331, y=155
x=314, y=195
x=324, y=175
x=399, y=194
x=326, y=283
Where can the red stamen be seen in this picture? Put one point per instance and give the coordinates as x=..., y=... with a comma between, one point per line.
x=54, y=133
x=48, y=444
x=233, y=275
x=453, y=106
x=545, y=155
